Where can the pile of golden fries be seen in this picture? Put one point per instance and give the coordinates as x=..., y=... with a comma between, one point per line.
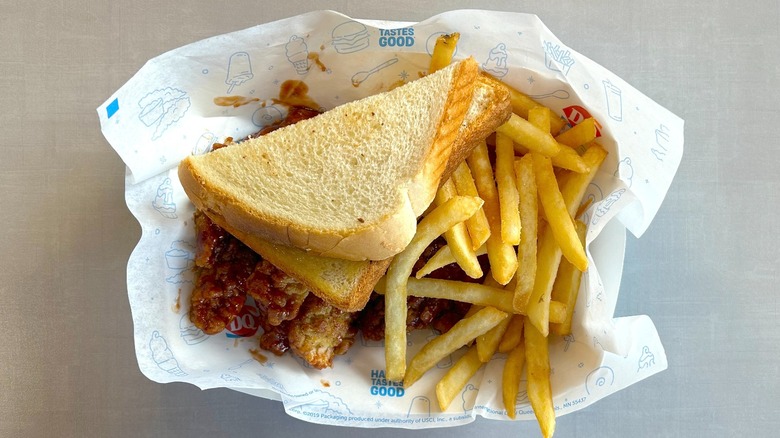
x=521, y=211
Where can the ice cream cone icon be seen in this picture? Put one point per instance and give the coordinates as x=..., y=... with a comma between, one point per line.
x=301, y=67
x=298, y=54
x=163, y=356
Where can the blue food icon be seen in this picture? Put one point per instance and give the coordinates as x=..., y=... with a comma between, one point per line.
x=163, y=201
x=162, y=108
x=350, y=37
x=239, y=70
x=298, y=54
x=647, y=359
x=599, y=380
x=267, y=116
x=420, y=405
x=189, y=332
x=614, y=100
x=496, y=62
x=469, y=397
x=163, y=356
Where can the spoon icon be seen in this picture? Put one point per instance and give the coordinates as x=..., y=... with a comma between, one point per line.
x=558, y=94
x=359, y=77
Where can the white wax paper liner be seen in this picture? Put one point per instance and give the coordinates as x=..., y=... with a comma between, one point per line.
x=166, y=112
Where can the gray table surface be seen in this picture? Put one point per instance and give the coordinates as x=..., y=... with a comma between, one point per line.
x=705, y=271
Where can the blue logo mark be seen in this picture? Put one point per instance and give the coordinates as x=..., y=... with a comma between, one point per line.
x=112, y=108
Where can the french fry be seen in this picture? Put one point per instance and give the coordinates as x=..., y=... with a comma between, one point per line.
x=456, y=378
x=513, y=334
x=474, y=308
x=459, y=335
x=487, y=343
x=502, y=256
x=454, y=290
x=525, y=134
x=488, y=281
x=465, y=292
x=567, y=158
x=574, y=185
x=538, y=375
x=558, y=311
x=442, y=258
x=430, y=227
x=443, y=51
x=580, y=134
x=521, y=104
x=478, y=226
x=566, y=288
x=457, y=237
x=508, y=198
x=510, y=380
x=548, y=258
x=559, y=220
x=526, y=251
x=537, y=284
x=539, y=116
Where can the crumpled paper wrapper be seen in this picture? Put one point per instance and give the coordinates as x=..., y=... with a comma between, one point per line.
x=167, y=111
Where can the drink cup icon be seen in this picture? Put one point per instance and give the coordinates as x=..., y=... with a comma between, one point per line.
x=204, y=143
x=614, y=101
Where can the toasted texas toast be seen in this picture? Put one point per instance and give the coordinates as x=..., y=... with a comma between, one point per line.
x=349, y=183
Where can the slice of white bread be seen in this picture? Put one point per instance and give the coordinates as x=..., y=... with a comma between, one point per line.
x=349, y=183
x=348, y=284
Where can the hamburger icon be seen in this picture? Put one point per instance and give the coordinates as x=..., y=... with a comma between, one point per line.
x=350, y=37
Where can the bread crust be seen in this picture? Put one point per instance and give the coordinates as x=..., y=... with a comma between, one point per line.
x=494, y=114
